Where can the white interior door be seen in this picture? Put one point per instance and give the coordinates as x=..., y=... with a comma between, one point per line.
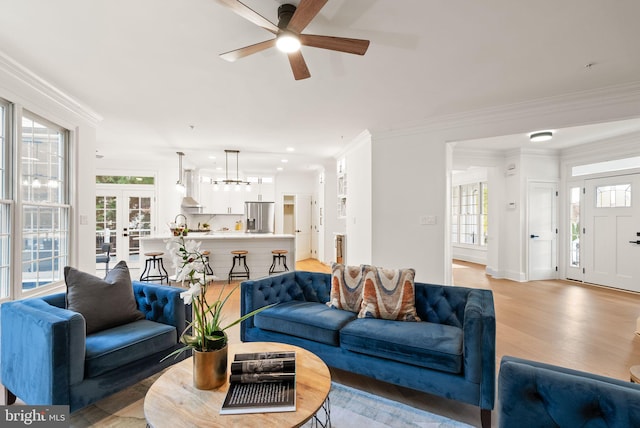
x=303, y=226
x=542, y=231
x=122, y=216
x=611, y=232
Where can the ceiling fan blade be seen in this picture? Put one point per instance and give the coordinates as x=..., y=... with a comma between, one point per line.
x=306, y=11
x=298, y=66
x=231, y=56
x=249, y=14
x=341, y=44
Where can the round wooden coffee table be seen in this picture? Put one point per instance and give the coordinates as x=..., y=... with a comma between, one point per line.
x=172, y=401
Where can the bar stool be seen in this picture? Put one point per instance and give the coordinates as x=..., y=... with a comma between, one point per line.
x=154, y=268
x=207, y=267
x=279, y=260
x=241, y=257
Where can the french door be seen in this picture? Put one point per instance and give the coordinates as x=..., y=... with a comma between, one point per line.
x=611, y=232
x=123, y=216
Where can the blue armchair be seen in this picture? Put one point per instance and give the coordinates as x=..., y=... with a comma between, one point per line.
x=533, y=394
x=47, y=358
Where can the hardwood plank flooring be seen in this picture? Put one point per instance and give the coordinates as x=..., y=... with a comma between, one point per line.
x=564, y=323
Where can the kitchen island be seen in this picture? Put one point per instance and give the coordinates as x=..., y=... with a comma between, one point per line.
x=220, y=245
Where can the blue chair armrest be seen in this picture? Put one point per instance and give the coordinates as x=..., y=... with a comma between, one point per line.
x=163, y=304
x=43, y=342
x=479, y=338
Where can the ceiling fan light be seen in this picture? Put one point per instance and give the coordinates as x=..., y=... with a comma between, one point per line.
x=288, y=42
x=538, y=137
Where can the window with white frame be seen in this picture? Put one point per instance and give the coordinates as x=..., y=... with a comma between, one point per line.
x=469, y=214
x=44, y=205
x=5, y=201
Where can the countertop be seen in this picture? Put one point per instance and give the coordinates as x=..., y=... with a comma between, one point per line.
x=221, y=235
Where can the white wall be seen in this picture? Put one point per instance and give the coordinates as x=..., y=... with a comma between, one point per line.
x=358, y=221
x=409, y=181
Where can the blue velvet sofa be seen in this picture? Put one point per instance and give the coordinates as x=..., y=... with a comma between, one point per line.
x=538, y=395
x=47, y=358
x=451, y=353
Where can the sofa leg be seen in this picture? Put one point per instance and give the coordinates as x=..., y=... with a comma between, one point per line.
x=485, y=418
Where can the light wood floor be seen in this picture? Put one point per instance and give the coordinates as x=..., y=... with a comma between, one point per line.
x=564, y=323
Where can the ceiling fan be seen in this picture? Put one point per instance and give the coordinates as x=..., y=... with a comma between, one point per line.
x=292, y=21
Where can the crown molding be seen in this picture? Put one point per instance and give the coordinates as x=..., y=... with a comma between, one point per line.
x=21, y=74
x=542, y=107
x=361, y=138
x=621, y=146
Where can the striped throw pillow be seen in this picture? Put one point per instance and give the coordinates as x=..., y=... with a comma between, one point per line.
x=346, y=287
x=389, y=294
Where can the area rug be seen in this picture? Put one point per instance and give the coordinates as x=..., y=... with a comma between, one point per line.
x=349, y=408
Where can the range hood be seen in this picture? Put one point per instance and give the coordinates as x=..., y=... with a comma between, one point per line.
x=188, y=202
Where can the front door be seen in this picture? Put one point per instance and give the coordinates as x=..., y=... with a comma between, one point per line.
x=122, y=216
x=542, y=231
x=611, y=232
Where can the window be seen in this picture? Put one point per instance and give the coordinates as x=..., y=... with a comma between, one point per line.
x=617, y=196
x=470, y=220
x=5, y=202
x=574, y=213
x=44, y=208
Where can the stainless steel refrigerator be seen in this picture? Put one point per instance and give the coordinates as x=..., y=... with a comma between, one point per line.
x=259, y=217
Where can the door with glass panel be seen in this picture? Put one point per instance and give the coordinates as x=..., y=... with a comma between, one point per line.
x=122, y=217
x=611, y=232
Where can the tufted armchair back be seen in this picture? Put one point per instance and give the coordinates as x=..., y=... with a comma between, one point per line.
x=157, y=302
x=539, y=395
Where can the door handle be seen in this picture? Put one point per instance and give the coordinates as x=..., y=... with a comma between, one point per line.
x=534, y=236
x=125, y=234
x=634, y=242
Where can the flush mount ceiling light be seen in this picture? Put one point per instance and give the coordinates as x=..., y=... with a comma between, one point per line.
x=179, y=184
x=537, y=137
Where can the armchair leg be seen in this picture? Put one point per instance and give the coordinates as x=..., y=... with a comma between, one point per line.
x=485, y=418
x=9, y=397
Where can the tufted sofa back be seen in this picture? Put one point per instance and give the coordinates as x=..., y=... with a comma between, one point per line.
x=441, y=305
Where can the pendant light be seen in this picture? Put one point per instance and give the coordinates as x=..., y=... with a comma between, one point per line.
x=229, y=182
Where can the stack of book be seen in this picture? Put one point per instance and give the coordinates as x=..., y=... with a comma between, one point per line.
x=261, y=382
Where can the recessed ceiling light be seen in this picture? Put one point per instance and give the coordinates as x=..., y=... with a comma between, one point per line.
x=537, y=137
x=284, y=160
x=279, y=168
x=290, y=149
x=212, y=157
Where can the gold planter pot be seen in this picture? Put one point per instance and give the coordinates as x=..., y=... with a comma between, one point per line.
x=209, y=368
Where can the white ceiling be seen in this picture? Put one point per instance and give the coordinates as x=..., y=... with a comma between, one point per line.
x=150, y=68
